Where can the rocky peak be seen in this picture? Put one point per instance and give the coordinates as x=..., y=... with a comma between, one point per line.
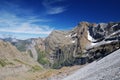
x=83, y=24
x=64, y=47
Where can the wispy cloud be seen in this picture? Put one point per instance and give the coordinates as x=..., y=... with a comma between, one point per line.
x=28, y=28
x=51, y=8
x=20, y=25
x=56, y=10
x=14, y=20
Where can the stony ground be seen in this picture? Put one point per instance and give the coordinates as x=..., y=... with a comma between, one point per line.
x=107, y=68
x=50, y=74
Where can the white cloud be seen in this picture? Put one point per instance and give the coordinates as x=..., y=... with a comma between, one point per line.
x=53, y=9
x=12, y=23
x=56, y=10
x=29, y=28
x=15, y=19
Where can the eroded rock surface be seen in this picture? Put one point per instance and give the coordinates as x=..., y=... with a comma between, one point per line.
x=85, y=43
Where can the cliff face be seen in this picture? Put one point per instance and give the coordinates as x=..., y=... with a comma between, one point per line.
x=60, y=47
x=83, y=43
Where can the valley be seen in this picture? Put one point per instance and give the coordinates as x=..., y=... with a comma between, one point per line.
x=86, y=52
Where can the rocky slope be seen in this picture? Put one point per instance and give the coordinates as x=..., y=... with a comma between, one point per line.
x=107, y=68
x=29, y=45
x=13, y=61
x=85, y=43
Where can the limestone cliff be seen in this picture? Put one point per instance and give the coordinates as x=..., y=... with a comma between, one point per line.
x=73, y=47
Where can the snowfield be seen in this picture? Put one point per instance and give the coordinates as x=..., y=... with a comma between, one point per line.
x=108, y=68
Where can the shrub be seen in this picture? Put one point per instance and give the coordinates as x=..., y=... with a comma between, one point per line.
x=36, y=68
x=3, y=62
x=42, y=58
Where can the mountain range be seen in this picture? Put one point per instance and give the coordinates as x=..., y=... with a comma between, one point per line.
x=85, y=43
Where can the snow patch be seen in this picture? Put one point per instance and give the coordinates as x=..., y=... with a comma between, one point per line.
x=68, y=35
x=90, y=37
x=74, y=35
x=109, y=41
x=116, y=32
x=100, y=43
x=73, y=41
x=93, y=44
x=113, y=33
x=114, y=25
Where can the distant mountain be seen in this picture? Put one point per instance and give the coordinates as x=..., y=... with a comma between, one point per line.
x=86, y=43
x=9, y=39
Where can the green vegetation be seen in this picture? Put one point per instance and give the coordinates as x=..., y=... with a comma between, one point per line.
x=4, y=62
x=42, y=57
x=36, y=68
x=56, y=65
x=17, y=60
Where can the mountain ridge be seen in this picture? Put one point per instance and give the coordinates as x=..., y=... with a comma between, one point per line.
x=76, y=46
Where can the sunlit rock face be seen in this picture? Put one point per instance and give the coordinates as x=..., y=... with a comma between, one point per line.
x=65, y=48
x=85, y=43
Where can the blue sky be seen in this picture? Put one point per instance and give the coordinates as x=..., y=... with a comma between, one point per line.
x=37, y=18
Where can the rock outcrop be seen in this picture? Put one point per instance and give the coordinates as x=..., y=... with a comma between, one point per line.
x=85, y=43
x=108, y=68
